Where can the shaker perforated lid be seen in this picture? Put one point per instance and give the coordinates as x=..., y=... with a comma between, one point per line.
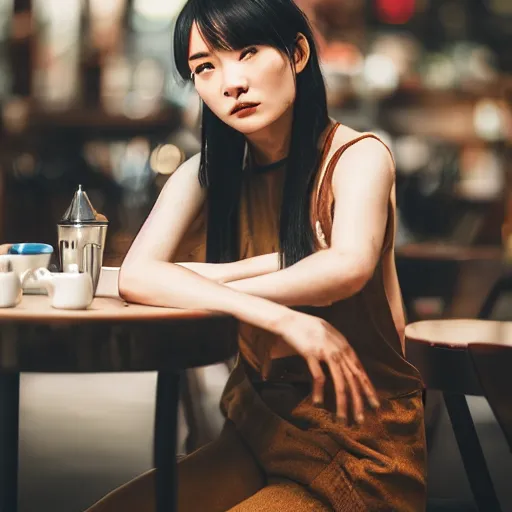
x=81, y=211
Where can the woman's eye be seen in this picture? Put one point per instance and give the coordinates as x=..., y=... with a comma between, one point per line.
x=248, y=52
x=202, y=67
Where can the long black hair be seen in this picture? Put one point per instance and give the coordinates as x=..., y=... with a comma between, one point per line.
x=233, y=25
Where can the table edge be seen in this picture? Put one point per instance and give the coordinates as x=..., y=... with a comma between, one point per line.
x=450, y=345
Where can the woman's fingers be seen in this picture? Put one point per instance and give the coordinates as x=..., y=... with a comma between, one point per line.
x=347, y=373
x=355, y=393
x=318, y=380
x=364, y=382
x=340, y=388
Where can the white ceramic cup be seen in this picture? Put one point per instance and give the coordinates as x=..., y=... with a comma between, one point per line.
x=10, y=289
x=22, y=264
x=67, y=290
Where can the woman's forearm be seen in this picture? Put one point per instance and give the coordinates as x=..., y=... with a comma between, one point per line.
x=243, y=269
x=169, y=285
x=319, y=279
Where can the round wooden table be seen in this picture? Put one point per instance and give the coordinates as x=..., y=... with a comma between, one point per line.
x=110, y=336
x=438, y=349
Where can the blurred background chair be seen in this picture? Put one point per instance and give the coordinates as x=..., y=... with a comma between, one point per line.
x=440, y=349
x=499, y=291
x=493, y=364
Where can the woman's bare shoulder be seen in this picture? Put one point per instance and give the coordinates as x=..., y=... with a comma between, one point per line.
x=185, y=177
x=190, y=166
x=369, y=147
x=183, y=186
x=368, y=153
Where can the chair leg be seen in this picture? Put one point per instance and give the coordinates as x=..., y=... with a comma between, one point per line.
x=503, y=285
x=432, y=403
x=471, y=453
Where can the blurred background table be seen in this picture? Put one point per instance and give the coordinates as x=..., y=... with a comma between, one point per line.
x=111, y=336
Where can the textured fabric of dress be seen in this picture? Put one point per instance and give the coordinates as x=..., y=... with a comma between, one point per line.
x=380, y=465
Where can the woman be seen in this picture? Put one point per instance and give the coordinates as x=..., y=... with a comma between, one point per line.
x=322, y=410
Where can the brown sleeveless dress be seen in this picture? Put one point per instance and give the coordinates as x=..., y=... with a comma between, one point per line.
x=377, y=466
x=277, y=452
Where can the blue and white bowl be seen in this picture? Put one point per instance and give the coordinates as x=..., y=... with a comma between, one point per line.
x=28, y=256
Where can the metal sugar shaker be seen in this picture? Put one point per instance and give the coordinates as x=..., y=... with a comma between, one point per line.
x=81, y=234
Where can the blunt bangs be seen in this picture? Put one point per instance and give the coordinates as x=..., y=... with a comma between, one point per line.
x=233, y=25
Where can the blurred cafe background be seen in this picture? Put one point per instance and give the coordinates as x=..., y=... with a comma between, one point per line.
x=88, y=95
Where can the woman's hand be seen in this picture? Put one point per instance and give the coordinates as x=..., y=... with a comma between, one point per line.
x=316, y=340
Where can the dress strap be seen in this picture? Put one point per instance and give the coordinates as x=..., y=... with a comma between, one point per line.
x=328, y=140
x=325, y=151
x=322, y=209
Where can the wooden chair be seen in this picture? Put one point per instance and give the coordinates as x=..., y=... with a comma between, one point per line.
x=502, y=287
x=493, y=365
x=440, y=350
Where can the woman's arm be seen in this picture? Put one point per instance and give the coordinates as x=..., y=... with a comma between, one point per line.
x=237, y=270
x=147, y=277
x=320, y=279
x=362, y=184
x=169, y=285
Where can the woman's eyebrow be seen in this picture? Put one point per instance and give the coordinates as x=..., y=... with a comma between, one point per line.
x=199, y=55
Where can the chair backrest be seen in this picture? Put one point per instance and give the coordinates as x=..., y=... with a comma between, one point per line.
x=493, y=364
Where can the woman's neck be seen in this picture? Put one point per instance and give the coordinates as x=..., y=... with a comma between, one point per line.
x=273, y=142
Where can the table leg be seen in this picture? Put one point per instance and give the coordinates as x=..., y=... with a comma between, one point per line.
x=164, y=451
x=9, y=420
x=471, y=453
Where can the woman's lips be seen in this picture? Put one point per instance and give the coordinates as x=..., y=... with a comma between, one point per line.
x=244, y=109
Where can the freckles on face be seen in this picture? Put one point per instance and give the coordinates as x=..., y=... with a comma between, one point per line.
x=259, y=74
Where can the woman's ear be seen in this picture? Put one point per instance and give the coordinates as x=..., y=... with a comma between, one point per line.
x=302, y=52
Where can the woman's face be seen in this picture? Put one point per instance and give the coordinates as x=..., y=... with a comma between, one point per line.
x=248, y=89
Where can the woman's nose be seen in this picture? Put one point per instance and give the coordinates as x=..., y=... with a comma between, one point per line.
x=234, y=92
x=235, y=86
